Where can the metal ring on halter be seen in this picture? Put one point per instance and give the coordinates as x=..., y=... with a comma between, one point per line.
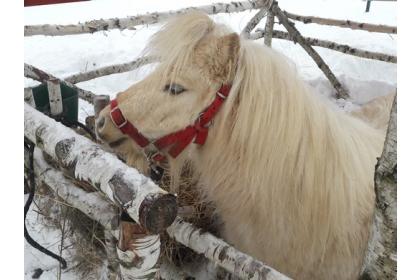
x=207, y=125
x=221, y=95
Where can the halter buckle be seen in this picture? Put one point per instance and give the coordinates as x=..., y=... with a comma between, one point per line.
x=122, y=116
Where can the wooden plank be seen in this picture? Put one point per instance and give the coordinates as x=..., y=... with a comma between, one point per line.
x=54, y=95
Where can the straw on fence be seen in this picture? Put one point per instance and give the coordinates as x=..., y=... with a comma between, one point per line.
x=346, y=49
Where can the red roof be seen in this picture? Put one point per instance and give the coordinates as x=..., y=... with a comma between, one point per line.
x=48, y=2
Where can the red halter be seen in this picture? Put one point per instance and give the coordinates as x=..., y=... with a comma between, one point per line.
x=178, y=140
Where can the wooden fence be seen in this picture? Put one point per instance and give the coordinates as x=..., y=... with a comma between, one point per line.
x=119, y=187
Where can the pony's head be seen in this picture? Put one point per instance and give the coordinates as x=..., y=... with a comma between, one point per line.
x=196, y=57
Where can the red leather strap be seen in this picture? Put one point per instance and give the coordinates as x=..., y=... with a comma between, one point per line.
x=178, y=140
x=125, y=126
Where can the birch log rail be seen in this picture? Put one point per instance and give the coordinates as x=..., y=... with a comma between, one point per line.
x=138, y=255
x=124, y=23
x=340, y=91
x=42, y=76
x=344, y=23
x=92, y=204
x=109, y=70
x=146, y=203
x=105, y=212
x=346, y=49
x=224, y=255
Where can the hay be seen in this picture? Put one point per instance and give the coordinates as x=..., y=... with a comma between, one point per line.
x=192, y=208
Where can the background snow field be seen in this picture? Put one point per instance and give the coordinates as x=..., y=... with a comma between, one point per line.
x=66, y=55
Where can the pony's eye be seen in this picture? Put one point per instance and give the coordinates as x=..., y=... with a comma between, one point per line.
x=174, y=89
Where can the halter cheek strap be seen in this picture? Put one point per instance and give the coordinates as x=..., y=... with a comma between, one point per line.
x=176, y=141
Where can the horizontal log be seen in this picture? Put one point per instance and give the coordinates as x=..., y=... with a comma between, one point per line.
x=124, y=23
x=223, y=254
x=92, y=204
x=344, y=23
x=151, y=207
x=42, y=76
x=109, y=70
x=259, y=33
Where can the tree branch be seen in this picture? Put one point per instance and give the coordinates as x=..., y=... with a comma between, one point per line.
x=381, y=256
x=259, y=33
x=340, y=91
x=343, y=23
x=246, y=31
x=124, y=23
x=269, y=25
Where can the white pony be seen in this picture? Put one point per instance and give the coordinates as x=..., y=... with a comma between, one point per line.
x=291, y=178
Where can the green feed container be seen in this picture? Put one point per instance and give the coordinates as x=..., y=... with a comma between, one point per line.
x=69, y=97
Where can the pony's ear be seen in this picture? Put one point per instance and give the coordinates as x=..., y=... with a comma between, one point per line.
x=218, y=57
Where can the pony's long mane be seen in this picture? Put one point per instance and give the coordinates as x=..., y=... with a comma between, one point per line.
x=278, y=156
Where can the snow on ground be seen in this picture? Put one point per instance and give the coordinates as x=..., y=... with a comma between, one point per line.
x=66, y=55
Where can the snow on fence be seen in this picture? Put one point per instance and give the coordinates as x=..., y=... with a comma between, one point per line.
x=134, y=246
x=105, y=211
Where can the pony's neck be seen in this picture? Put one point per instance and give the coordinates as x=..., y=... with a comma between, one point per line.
x=277, y=147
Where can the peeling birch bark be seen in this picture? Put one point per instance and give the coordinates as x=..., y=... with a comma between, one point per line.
x=29, y=96
x=138, y=252
x=269, y=28
x=381, y=257
x=92, y=204
x=297, y=37
x=344, y=23
x=41, y=76
x=259, y=33
x=144, y=201
x=111, y=253
x=221, y=253
x=109, y=70
x=124, y=23
x=54, y=96
x=246, y=31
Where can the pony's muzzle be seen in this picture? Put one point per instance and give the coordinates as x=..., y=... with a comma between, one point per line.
x=105, y=128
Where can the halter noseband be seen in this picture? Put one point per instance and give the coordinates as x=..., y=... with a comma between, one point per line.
x=176, y=141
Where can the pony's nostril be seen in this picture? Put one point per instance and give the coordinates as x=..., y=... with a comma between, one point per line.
x=100, y=123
